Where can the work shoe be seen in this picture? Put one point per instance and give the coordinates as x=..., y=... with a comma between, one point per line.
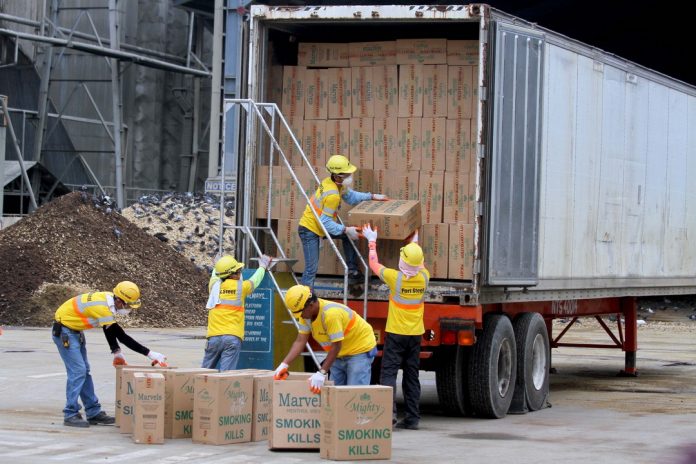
x=356, y=277
x=102, y=418
x=76, y=421
x=407, y=425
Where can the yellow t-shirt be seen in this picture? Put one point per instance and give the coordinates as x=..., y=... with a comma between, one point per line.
x=405, y=301
x=87, y=311
x=227, y=317
x=337, y=322
x=326, y=201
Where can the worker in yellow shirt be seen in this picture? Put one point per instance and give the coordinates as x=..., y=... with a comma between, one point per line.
x=227, y=293
x=89, y=311
x=347, y=337
x=326, y=202
x=404, y=329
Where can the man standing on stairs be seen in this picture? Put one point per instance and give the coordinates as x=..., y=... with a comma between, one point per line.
x=226, y=311
x=326, y=202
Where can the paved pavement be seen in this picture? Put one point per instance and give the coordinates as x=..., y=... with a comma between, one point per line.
x=596, y=417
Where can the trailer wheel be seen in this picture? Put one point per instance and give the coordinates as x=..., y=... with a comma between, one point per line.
x=450, y=379
x=533, y=357
x=493, y=368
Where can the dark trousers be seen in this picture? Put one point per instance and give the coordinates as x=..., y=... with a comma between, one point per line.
x=403, y=352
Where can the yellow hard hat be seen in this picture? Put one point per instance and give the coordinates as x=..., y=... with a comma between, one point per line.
x=412, y=254
x=227, y=266
x=296, y=298
x=339, y=164
x=129, y=293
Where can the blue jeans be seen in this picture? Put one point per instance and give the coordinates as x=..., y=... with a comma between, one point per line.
x=310, y=248
x=79, y=382
x=222, y=352
x=353, y=370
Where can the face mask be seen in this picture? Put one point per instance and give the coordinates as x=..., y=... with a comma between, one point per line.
x=123, y=312
x=347, y=182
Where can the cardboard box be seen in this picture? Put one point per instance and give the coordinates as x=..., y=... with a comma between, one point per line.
x=459, y=92
x=431, y=187
x=328, y=261
x=435, y=91
x=261, y=408
x=222, y=408
x=293, y=203
x=322, y=55
x=314, y=142
x=461, y=251
x=178, y=401
x=463, y=52
x=148, y=412
x=421, y=51
x=434, y=144
x=363, y=181
x=385, y=90
x=410, y=143
x=386, y=154
x=362, y=93
x=434, y=239
x=292, y=246
x=339, y=89
x=337, y=137
x=290, y=149
x=395, y=219
x=371, y=53
x=459, y=157
x=474, y=94
x=316, y=96
x=293, y=92
x=261, y=197
x=399, y=185
x=456, y=198
x=356, y=422
x=118, y=394
x=295, y=415
x=411, y=91
x=362, y=145
x=127, y=393
x=388, y=252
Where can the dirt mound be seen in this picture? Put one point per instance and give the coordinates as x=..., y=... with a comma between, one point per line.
x=78, y=242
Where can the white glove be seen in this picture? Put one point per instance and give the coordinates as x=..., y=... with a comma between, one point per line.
x=352, y=232
x=414, y=238
x=316, y=381
x=119, y=359
x=159, y=357
x=369, y=233
x=379, y=197
x=281, y=372
x=265, y=261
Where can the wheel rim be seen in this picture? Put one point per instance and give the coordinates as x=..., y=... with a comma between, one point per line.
x=538, y=362
x=504, y=368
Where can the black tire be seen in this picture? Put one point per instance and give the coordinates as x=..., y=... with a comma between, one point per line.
x=493, y=368
x=450, y=379
x=533, y=359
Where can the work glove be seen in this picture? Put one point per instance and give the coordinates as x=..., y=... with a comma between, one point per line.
x=316, y=381
x=352, y=232
x=265, y=261
x=379, y=197
x=281, y=372
x=414, y=237
x=119, y=359
x=157, y=358
x=369, y=233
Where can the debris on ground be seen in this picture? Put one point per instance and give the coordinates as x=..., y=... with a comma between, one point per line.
x=79, y=242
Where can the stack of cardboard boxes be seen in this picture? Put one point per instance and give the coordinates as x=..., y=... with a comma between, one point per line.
x=404, y=112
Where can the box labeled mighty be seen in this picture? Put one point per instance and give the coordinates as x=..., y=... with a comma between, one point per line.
x=148, y=412
x=178, y=401
x=394, y=219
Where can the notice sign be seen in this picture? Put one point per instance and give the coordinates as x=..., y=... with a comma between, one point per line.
x=257, y=351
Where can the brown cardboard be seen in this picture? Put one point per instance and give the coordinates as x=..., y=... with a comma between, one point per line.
x=372, y=53
x=410, y=91
x=434, y=144
x=434, y=239
x=385, y=90
x=399, y=185
x=461, y=251
x=386, y=154
x=421, y=51
x=474, y=94
x=409, y=143
x=395, y=219
x=462, y=52
x=361, y=142
x=293, y=92
x=261, y=409
x=388, y=252
x=362, y=182
x=287, y=144
x=328, y=261
x=261, y=196
x=459, y=88
x=292, y=202
x=458, y=134
x=290, y=241
x=128, y=394
x=314, y=142
x=222, y=408
x=431, y=186
x=435, y=91
x=456, y=198
x=356, y=422
x=339, y=91
x=316, y=96
x=322, y=55
x=337, y=137
x=148, y=413
x=295, y=415
x=121, y=391
x=363, y=104
x=178, y=401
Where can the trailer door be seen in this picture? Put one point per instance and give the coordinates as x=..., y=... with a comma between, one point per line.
x=513, y=209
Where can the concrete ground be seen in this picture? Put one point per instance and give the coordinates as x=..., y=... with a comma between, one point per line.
x=595, y=416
